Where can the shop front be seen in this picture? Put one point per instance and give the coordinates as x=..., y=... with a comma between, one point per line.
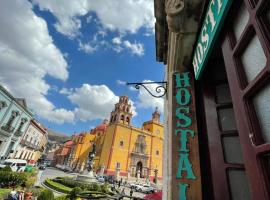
x=218, y=100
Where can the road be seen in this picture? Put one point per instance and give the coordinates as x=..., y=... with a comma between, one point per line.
x=53, y=172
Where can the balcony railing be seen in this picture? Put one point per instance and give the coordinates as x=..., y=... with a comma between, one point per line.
x=18, y=133
x=29, y=144
x=7, y=128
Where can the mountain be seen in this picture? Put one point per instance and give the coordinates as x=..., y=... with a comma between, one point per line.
x=58, y=137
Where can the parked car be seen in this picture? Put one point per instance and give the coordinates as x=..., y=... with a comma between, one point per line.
x=42, y=167
x=16, y=165
x=144, y=188
x=148, y=189
x=67, y=169
x=101, y=179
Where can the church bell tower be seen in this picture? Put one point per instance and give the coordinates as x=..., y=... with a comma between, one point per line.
x=122, y=111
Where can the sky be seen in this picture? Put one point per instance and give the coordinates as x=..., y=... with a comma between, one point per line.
x=71, y=60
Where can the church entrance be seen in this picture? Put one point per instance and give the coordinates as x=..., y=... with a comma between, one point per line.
x=139, y=169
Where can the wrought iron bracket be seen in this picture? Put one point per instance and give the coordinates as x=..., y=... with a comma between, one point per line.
x=161, y=89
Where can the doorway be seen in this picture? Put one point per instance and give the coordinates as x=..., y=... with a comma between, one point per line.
x=139, y=168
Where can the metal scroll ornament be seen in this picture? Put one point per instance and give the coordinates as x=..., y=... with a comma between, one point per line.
x=160, y=90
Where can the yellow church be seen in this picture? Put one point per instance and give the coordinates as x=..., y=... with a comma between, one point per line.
x=127, y=151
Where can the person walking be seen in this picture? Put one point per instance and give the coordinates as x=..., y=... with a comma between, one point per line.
x=131, y=192
x=13, y=195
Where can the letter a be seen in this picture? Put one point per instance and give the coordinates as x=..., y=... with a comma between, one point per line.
x=184, y=165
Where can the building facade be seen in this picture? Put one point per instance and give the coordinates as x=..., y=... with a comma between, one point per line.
x=33, y=143
x=128, y=151
x=14, y=119
x=217, y=59
x=61, y=155
x=82, y=144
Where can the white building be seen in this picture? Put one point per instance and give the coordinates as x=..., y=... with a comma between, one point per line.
x=14, y=119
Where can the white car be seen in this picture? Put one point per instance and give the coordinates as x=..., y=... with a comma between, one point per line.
x=16, y=165
x=144, y=188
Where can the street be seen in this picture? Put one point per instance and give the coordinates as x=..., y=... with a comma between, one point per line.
x=51, y=172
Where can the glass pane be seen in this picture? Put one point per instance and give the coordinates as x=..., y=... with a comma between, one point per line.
x=226, y=119
x=262, y=106
x=223, y=94
x=240, y=21
x=253, y=59
x=232, y=149
x=238, y=185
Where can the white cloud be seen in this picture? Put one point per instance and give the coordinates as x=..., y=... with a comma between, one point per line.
x=66, y=91
x=147, y=101
x=27, y=55
x=119, y=82
x=94, y=102
x=135, y=48
x=116, y=40
x=86, y=47
x=136, y=14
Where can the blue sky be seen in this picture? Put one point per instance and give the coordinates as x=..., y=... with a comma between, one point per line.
x=71, y=59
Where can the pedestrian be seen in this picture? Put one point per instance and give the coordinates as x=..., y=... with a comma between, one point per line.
x=13, y=194
x=131, y=192
x=123, y=191
x=119, y=183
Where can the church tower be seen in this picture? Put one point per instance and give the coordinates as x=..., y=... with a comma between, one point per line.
x=122, y=111
x=156, y=116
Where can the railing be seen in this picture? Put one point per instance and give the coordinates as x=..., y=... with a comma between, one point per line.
x=7, y=128
x=18, y=133
x=29, y=144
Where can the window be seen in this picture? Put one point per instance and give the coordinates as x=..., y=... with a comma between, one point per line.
x=117, y=165
x=121, y=143
x=157, y=152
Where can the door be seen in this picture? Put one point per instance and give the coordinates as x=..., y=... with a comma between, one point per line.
x=246, y=51
x=227, y=168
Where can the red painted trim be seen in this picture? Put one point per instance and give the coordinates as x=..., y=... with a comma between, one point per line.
x=123, y=173
x=110, y=157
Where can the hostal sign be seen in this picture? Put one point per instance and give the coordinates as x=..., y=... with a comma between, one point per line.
x=185, y=138
x=216, y=13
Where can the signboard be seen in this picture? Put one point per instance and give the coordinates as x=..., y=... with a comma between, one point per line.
x=186, y=180
x=216, y=13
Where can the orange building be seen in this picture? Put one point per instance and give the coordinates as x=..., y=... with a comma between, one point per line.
x=82, y=144
x=61, y=155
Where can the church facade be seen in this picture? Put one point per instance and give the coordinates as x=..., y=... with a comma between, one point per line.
x=127, y=151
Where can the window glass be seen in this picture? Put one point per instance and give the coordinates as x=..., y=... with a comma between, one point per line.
x=240, y=21
x=232, y=149
x=253, y=59
x=223, y=94
x=226, y=119
x=238, y=185
x=262, y=106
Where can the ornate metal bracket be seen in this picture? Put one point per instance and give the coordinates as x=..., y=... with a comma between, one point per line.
x=161, y=89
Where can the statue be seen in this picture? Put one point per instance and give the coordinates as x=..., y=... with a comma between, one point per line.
x=91, y=156
x=88, y=174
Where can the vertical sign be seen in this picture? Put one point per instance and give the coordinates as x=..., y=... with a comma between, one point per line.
x=186, y=180
x=212, y=24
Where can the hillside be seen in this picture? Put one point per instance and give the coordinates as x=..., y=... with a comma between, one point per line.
x=58, y=137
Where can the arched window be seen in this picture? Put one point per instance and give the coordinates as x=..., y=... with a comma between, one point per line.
x=121, y=143
x=127, y=120
x=115, y=117
x=157, y=152
x=122, y=118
